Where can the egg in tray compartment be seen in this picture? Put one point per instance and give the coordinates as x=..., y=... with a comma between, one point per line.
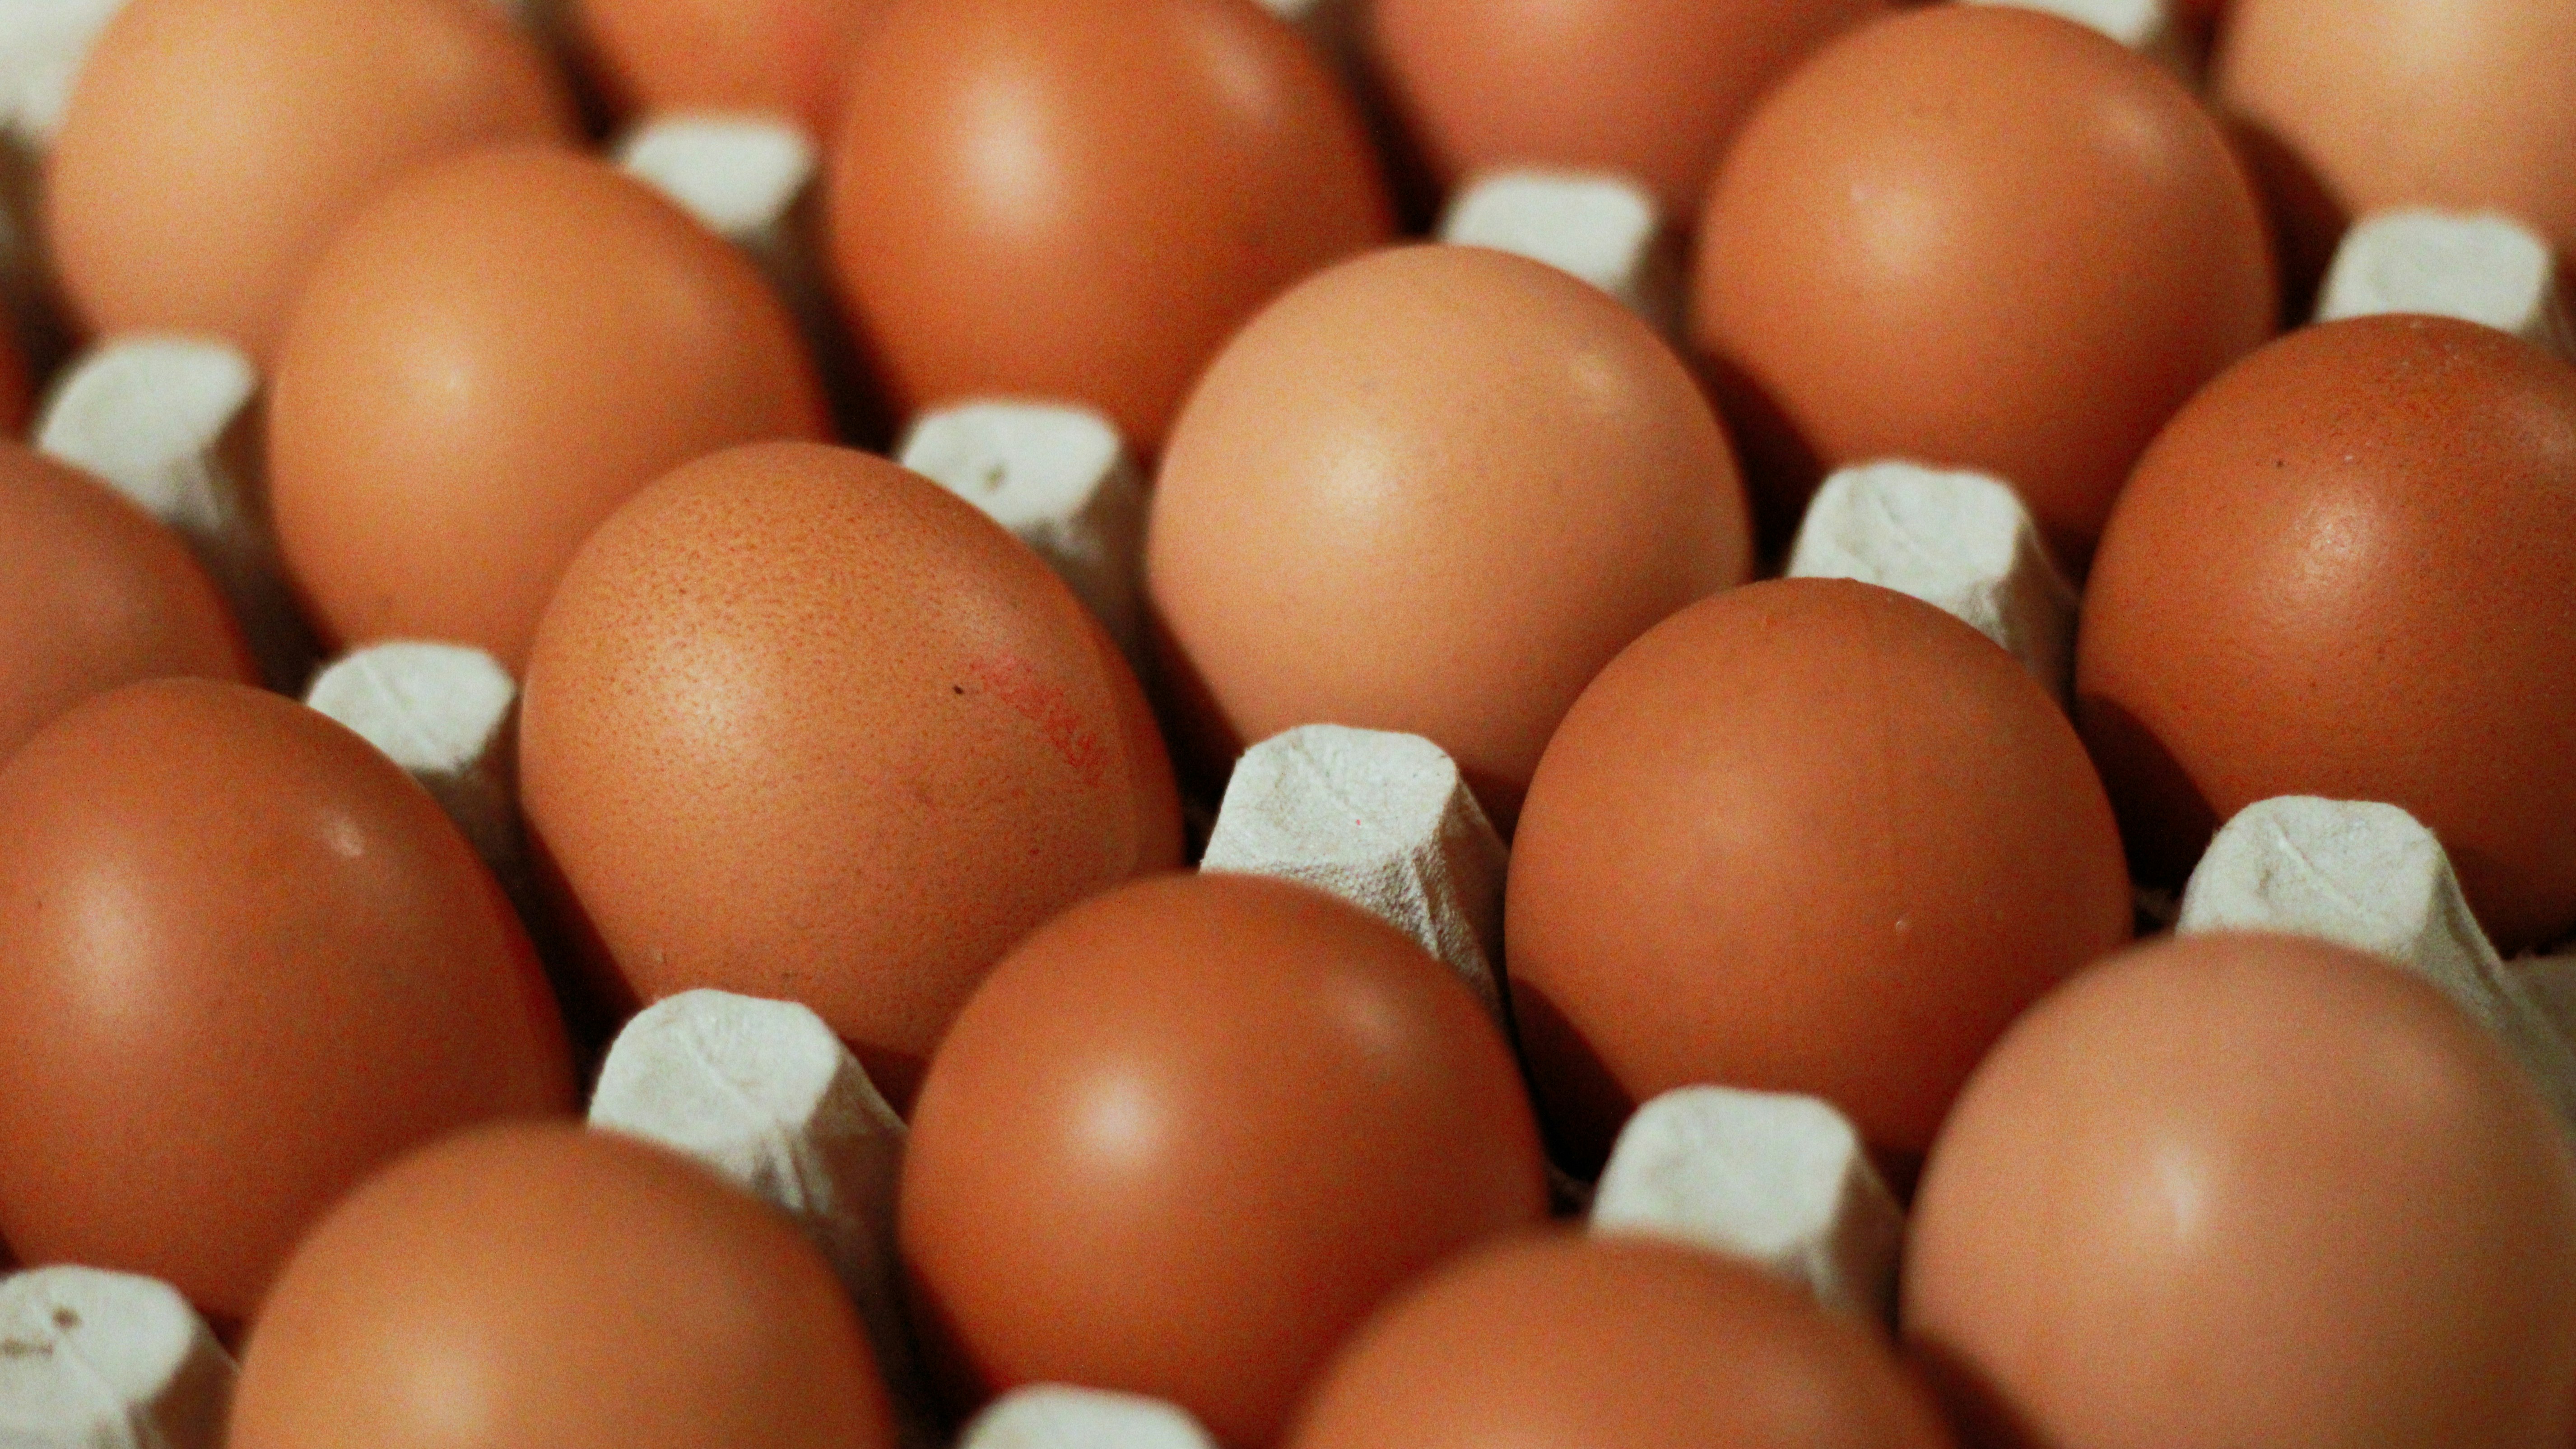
x=1051, y=724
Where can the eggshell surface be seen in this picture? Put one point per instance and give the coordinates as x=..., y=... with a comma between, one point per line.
x=94, y=594
x=1432, y=490
x=1648, y=89
x=212, y=147
x=244, y=960
x=2342, y=572
x=800, y=724
x=1810, y=836
x=1613, y=1343
x=779, y=57
x=487, y=362
x=1975, y=236
x=1080, y=199
x=545, y=1285
x=2232, y=1190
x=1190, y=1132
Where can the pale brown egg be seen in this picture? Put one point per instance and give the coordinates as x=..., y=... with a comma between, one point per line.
x=1432, y=490
x=1810, y=836
x=1081, y=199
x=528, y=1285
x=1614, y=1343
x=802, y=724
x=94, y=594
x=244, y=961
x=2342, y=571
x=489, y=360
x=1190, y=1133
x=1649, y=89
x=1975, y=236
x=2233, y=1190
x=212, y=147
x=787, y=58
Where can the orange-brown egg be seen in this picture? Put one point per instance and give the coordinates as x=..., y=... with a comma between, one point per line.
x=1614, y=1343
x=244, y=961
x=1433, y=490
x=212, y=147
x=490, y=359
x=1080, y=199
x=528, y=1285
x=2341, y=571
x=2233, y=1190
x=1979, y=236
x=1810, y=836
x=94, y=594
x=802, y=724
x=1190, y=1133
x=787, y=58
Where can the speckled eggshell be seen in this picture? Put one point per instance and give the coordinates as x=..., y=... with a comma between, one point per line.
x=802, y=724
x=1975, y=236
x=2232, y=1190
x=1810, y=836
x=212, y=147
x=1432, y=490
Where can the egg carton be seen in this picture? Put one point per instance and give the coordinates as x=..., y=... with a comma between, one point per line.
x=1603, y=229
x=2480, y=267
x=1062, y=1416
x=97, y=1360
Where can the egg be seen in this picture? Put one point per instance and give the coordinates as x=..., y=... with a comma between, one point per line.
x=244, y=960
x=17, y=387
x=2355, y=106
x=2233, y=1190
x=94, y=594
x=802, y=724
x=1432, y=490
x=489, y=359
x=1975, y=236
x=1078, y=200
x=1190, y=1133
x=528, y=1285
x=1810, y=836
x=786, y=58
x=1613, y=1343
x=212, y=147
x=1648, y=89
x=2342, y=572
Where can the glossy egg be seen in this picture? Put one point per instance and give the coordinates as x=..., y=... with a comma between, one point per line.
x=1190, y=1133
x=1976, y=236
x=94, y=594
x=2235, y=1190
x=1649, y=89
x=244, y=961
x=1614, y=1343
x=490, y=359
x=785, y=58
x=212, y=147
x=1432, y=490
x=2341, y=572
x=1079, y=199
x=544, y=1285
x=1810, y=836
x=802, y=724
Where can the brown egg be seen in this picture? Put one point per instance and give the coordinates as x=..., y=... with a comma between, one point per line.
x=212, y=147
x=1613, y=1343
x=1979, y=236
x=528, y=1285
x=781, y=57
x=1081, y=199
x=801, y=724
x=2353, y=106
x=94, y=594
x=1433, y=490
x=1652, y=89
x=1190, y=1133
x=17, y=388
x=2342, y=571
x=487, y=362
x=1810, y=836
x=2235, y=1190
x=244, y=960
